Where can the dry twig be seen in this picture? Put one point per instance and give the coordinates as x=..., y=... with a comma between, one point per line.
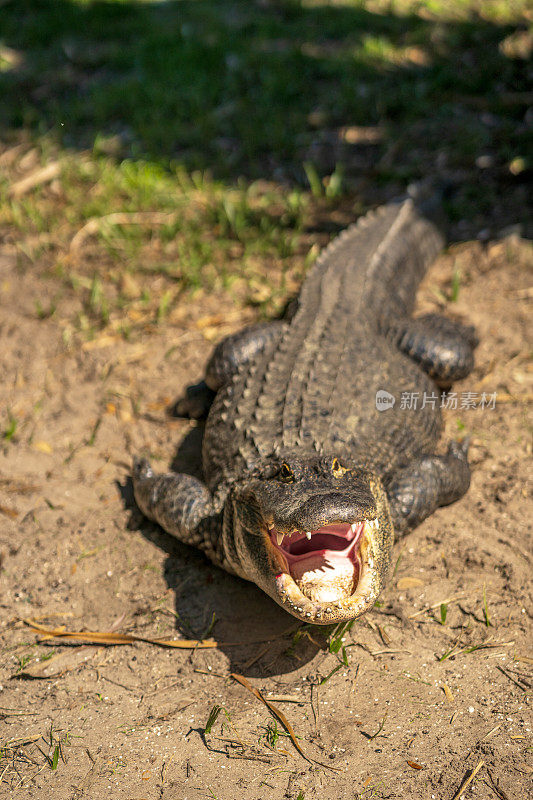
x=119, y=218
x=98, y=637
x=466, y=783
x=37, y=178
x=279, y=716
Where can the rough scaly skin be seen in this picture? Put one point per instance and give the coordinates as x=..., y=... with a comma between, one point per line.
x=294, y=441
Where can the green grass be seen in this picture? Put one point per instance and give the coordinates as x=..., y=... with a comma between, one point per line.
x=11, y=427
x=230, y=86
x=213, y=237
x=250, y=126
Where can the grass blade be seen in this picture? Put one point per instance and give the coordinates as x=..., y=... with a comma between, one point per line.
x=215, y=711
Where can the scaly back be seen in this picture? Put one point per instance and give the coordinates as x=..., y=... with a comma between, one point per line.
x=289, y=397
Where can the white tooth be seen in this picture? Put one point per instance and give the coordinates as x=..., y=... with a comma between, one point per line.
x=353, y=527
x=279, y=538
x=308, y=534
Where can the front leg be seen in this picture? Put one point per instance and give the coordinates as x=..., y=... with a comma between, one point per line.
x=233, y=352
x=427, y=483
x=442, y=347
x=181, y=504
x=230, y=355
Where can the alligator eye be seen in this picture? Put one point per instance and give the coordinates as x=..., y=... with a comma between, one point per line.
x=337, y=468
x=286, y=473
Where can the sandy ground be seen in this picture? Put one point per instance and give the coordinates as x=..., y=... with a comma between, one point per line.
x=128, y=721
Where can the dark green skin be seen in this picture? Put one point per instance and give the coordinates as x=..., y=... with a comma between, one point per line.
x=303, y=393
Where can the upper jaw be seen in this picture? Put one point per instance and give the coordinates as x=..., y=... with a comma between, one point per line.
x=313, y=510
x=279, y=533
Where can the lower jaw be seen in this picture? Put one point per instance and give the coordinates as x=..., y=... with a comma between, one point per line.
x=328, y=579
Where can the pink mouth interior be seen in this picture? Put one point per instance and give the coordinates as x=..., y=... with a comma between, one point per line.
x=329, y=558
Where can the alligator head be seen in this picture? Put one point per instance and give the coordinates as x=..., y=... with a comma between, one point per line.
x=314, y=533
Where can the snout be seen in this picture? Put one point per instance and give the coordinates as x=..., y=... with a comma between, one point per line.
x=323, y=508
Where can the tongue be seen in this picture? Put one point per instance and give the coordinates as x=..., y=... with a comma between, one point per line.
x=325, y=576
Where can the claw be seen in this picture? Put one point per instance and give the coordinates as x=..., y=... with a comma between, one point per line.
x=142, y=469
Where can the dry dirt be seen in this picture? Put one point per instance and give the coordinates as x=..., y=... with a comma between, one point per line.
x=128, y=721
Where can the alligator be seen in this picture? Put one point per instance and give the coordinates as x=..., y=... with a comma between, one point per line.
x=322, y=436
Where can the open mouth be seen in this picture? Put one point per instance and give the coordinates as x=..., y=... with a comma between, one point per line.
x=326, y=563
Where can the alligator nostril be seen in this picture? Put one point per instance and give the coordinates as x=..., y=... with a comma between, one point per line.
x=337, y=468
